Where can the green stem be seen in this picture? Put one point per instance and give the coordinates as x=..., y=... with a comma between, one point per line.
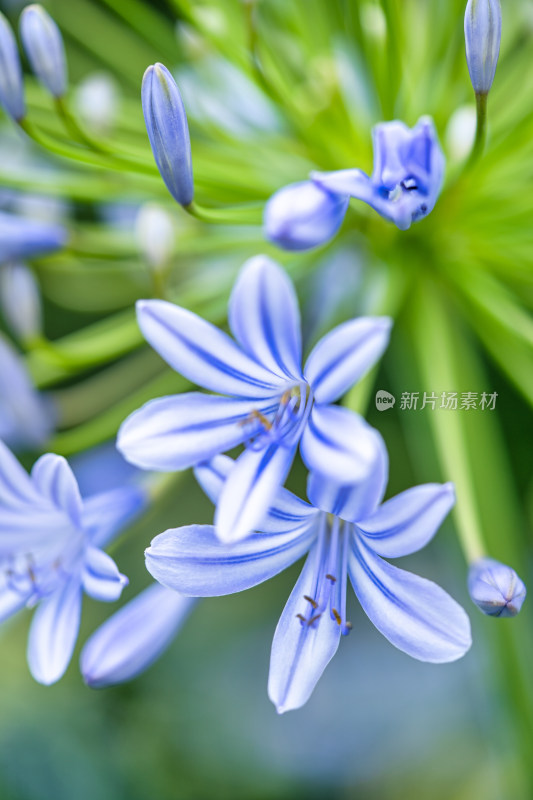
x=481, y=129
x=246, y=214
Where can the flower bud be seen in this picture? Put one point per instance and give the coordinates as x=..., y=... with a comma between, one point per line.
x=134, y=637
x=21, y=301
x=25, y=238
x=44, y=47
x=483, y=32
x=11, y=84
x=303, y=215
x=168, y=131
x=495, y=588
x=155, y=235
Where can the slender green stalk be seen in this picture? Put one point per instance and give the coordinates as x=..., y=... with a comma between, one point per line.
x=481, y=129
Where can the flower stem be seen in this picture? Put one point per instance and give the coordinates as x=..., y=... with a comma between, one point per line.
x=481, y=128
x=246, y=214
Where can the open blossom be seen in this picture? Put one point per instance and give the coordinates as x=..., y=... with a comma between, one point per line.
x=347, y=534
x=51, y=552
x=407, y=176
x=271, y=403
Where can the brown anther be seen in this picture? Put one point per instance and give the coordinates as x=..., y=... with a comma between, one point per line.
x=254, y=414
x=31, y=573
x=310, y=600
x=331, y=578
x=337, y=616
x=313, y=619
x=285, y=397
x=301, y=617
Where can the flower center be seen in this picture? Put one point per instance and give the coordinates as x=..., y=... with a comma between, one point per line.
x=282, y=423
x=328, y=597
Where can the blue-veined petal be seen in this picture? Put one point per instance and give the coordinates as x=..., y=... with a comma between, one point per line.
x=202, y=353
x=193, y=561
x=177, y=432
x=344, y=355
x=414, y=614
x=16, y=488
x=264, y=317
x=105, y=514
x=353, y=502
x=407, y=522
x=101, y=578
x=53, y=632
x=300, y=653
x=352, y=182
x=286, y=513
x=390, y=140
x=134, y=637
x=339, y=444
x=11, y=602
x=54, y=478
x=22, y=238
x=250, y=489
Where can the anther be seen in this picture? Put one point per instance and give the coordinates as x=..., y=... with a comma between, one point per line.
x=310, y=600
x=337, y=616
x=331, y=578
x=313, y=619
x=301, y=618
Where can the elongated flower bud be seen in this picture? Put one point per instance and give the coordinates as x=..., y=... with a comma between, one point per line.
x=168, y=131
x=483, y=32
x=21, y=301
x=26, y=238
x=44, y=47
x=155, y=235
x=495, y=588
x=134, y=637
x=11, y=84
x=303, y=215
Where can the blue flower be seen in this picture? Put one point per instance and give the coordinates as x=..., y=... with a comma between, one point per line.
x=134, y=637
x=44, y=47
x=11, y=83
x=20, y=300
x=26, y=417
x=346, y=533
x=22, y=238
x=51, y=552
x=407, y=176
x=270, y=404
x=168, y=131
x=303, y=215
x=495, y=588
x=483, y=33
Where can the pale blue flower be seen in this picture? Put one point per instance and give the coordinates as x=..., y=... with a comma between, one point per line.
x=407, y=176
x=134, y=637
x=27, y=417
x=51, y=552
x=22, y=238
x=303, y=215
x=11, y=83
x=168, y=131
x=495, y=588
x=483, y=33
x=270, y=402
x=347, y=533
x=44, y=47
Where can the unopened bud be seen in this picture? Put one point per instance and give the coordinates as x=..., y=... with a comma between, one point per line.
x=11, y=84
x=44, y=47
x=495, y=588
x=155, y=232
x=20, y=300
x=483, y=32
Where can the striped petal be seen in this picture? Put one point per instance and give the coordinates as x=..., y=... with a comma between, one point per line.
x=101, y=578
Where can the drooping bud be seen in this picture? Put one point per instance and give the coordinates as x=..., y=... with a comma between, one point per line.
x=20, y=300
x=44, y=47
x=495, y=588
x=303, y=215
x=155, y=235
x=133, y=638
x=11, y=84
x=483, y=31
x=168, y=131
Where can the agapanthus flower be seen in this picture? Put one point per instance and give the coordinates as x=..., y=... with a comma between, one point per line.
x=134, y=637
x=271, y=404
x=407, y=176
x=347, y=533
x=22, y=238
x=51, y=552
x=27, y=417
x=483, y=33
x=495, y=588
